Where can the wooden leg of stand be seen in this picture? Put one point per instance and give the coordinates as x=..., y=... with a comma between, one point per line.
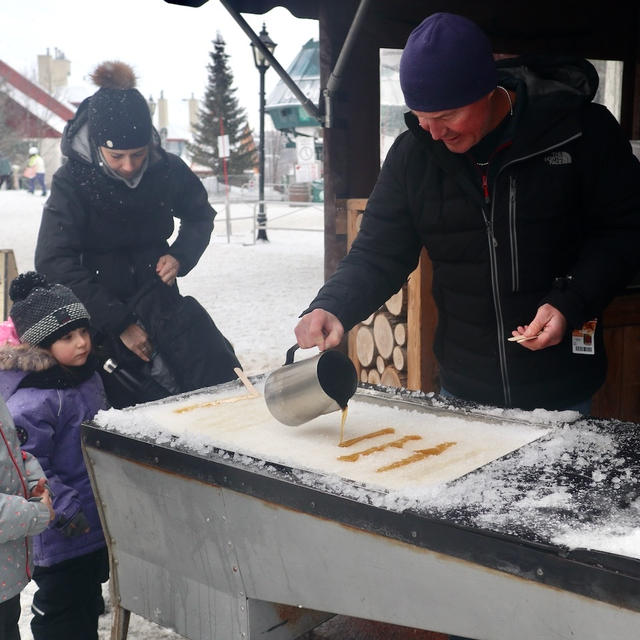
x=120, y=626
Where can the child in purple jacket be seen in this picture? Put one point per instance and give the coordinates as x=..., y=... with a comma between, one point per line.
x=51, y=386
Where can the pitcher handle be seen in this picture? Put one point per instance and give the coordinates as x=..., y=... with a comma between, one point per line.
x=290, y=352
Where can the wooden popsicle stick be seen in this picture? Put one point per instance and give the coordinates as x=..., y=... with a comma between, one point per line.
x=522, y=338
x=245, y=381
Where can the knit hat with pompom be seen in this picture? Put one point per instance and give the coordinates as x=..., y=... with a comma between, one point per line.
x=42, y=312
x=119, y=116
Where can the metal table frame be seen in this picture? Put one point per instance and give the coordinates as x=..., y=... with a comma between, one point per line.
x=219, y=547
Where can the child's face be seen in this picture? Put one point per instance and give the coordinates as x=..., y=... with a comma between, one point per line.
x=72, y=350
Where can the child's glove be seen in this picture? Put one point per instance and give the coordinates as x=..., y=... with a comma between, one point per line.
x=76, y=526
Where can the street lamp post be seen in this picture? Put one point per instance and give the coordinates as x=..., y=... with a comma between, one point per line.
x=262, y=64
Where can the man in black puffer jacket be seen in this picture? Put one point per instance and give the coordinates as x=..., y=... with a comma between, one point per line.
x=105, y=234
x=526, y=195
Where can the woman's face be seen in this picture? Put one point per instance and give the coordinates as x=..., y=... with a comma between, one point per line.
x=125, y=162
x=72, y=350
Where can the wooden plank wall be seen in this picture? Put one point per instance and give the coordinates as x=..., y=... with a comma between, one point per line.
x=619, y=397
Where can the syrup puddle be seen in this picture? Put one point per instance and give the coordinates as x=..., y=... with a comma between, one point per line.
x=420, y=454
x=366, y=436
x=417, y=456
x=215, y=403
x=398, y=444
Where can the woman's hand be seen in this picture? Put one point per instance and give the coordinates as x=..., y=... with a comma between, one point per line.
x=135, y=338
x=167, y=269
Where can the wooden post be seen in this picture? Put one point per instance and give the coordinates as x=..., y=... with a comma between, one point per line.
x=422, y=318
x=8, y=271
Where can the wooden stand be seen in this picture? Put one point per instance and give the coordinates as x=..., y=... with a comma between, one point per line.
x=619, y=396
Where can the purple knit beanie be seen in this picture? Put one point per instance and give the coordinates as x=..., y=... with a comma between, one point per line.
x=447, y=63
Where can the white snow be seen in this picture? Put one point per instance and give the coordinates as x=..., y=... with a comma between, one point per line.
x=255, y=293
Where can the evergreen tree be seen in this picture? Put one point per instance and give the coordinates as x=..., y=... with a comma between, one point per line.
x=219, y=104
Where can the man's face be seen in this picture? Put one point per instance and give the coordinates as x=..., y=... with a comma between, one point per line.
x=125, y=162
x=461, y=128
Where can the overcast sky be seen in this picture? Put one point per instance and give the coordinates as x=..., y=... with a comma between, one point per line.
x=167, y=45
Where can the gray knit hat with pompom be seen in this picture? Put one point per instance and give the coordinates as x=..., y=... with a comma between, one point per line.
x=42, y=312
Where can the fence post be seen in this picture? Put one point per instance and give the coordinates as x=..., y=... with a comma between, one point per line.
x=227, y=212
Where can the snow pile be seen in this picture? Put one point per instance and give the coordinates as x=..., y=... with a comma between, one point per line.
x=577, y=487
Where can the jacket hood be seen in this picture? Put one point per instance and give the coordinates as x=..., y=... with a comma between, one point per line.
x=77, y=145
x=568, y=80
x=25, y=357
x=17, y=362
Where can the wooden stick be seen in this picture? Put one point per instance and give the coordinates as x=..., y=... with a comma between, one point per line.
x=522, y=338
x=245, y=381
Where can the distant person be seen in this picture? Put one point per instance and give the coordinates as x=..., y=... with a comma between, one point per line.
x=25, y=511
x=526, y=195
x=105, y=233
x=6, y=172
x=51, y=387
x=35, y=167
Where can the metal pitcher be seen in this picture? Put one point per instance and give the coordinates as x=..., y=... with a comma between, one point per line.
x=301, y=391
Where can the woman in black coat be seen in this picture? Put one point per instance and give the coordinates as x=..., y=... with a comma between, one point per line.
x=105, y=233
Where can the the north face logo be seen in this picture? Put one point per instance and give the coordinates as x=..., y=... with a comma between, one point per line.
x=558, y=157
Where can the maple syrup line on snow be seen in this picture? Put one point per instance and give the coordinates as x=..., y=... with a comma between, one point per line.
x=420, y=454
x=366, y=452
x=215, y=403
x=343, y=420
x=366, y=436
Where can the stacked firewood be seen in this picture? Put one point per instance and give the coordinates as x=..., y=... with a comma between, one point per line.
x=381, y=343
x=393, y=346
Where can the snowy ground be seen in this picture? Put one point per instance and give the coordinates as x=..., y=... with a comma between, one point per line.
x=254, y=292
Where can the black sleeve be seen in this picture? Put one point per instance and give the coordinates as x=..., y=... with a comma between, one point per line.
x=609, y=256
x=384, y=253
x=191, y=206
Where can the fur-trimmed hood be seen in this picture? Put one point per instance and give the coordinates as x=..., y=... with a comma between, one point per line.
x=17, y=362
x=28, y=366
x=25, y=357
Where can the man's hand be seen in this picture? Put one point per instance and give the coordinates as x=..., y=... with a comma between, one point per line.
x=135, y=338
x=167, y=269
x=549, y=326
x=319, y=329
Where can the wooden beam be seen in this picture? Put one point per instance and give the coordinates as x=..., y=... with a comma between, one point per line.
x=8, y=271
x=356, y=119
